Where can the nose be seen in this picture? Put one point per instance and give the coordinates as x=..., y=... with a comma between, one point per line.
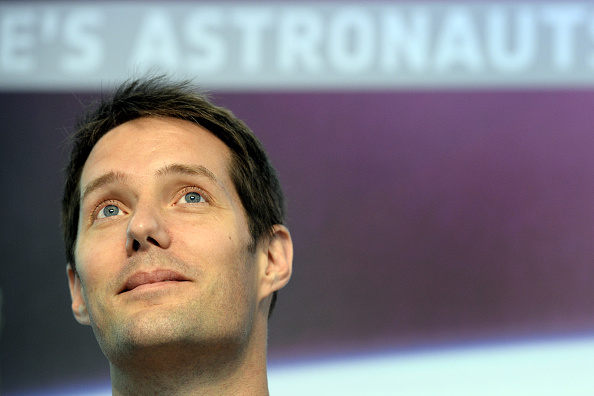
x=146, y=230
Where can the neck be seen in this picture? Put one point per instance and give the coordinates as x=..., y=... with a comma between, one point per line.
x=189, y=371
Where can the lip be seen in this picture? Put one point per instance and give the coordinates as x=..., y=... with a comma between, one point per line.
x=146, y=278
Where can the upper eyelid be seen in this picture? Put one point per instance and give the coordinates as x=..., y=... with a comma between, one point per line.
x=98, y=195
x=178, y=194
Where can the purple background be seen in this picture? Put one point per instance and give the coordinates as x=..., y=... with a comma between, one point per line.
x=419, y=218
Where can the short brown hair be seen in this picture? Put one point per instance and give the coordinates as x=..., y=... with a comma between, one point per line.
x=253, y=176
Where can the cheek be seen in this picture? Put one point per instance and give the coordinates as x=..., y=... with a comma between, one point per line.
x=107, y=243
x=222, y=254
x=98, y=260
x=210, y=238
x=94, y=267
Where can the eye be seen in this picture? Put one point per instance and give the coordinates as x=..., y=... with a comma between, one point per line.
x=192, y=197
x=109, y=211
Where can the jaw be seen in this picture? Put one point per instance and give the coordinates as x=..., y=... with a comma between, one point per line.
x=227, y=366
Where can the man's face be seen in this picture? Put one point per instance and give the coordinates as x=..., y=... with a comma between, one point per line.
x=162, y=247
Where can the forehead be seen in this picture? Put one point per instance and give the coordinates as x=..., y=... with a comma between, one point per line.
x=148, y=143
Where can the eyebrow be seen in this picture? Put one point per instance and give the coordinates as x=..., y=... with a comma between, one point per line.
x=172, y=169
x=183, y=169
x=103, y=180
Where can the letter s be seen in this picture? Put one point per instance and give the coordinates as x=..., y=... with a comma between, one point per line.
x=84, y=46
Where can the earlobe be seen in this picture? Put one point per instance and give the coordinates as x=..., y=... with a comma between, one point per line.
x=279, y=265
x=79, y=306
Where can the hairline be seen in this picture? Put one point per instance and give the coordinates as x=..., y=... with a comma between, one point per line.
x=260, y=194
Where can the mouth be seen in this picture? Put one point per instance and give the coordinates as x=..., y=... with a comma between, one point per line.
x=150, y=278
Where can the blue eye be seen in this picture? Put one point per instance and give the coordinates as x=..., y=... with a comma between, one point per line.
x=108, y=211
x=193, y=197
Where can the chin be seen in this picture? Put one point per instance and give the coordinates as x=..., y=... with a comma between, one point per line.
x=157, y=334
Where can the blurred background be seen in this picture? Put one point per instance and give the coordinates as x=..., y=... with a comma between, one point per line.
x=437, y=160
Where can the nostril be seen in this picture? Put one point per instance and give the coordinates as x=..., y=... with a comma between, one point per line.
x=153, y=241
x=135, y=245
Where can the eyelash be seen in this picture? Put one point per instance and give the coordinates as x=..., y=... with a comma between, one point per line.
x=102, y=205
x=189, y=189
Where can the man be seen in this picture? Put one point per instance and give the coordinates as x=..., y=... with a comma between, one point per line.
x=173, y=223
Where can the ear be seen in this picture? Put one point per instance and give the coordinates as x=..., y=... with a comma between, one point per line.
x=79, y=306
x=279, y=262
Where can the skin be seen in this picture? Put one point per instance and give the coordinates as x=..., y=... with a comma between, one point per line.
x=157, y=197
